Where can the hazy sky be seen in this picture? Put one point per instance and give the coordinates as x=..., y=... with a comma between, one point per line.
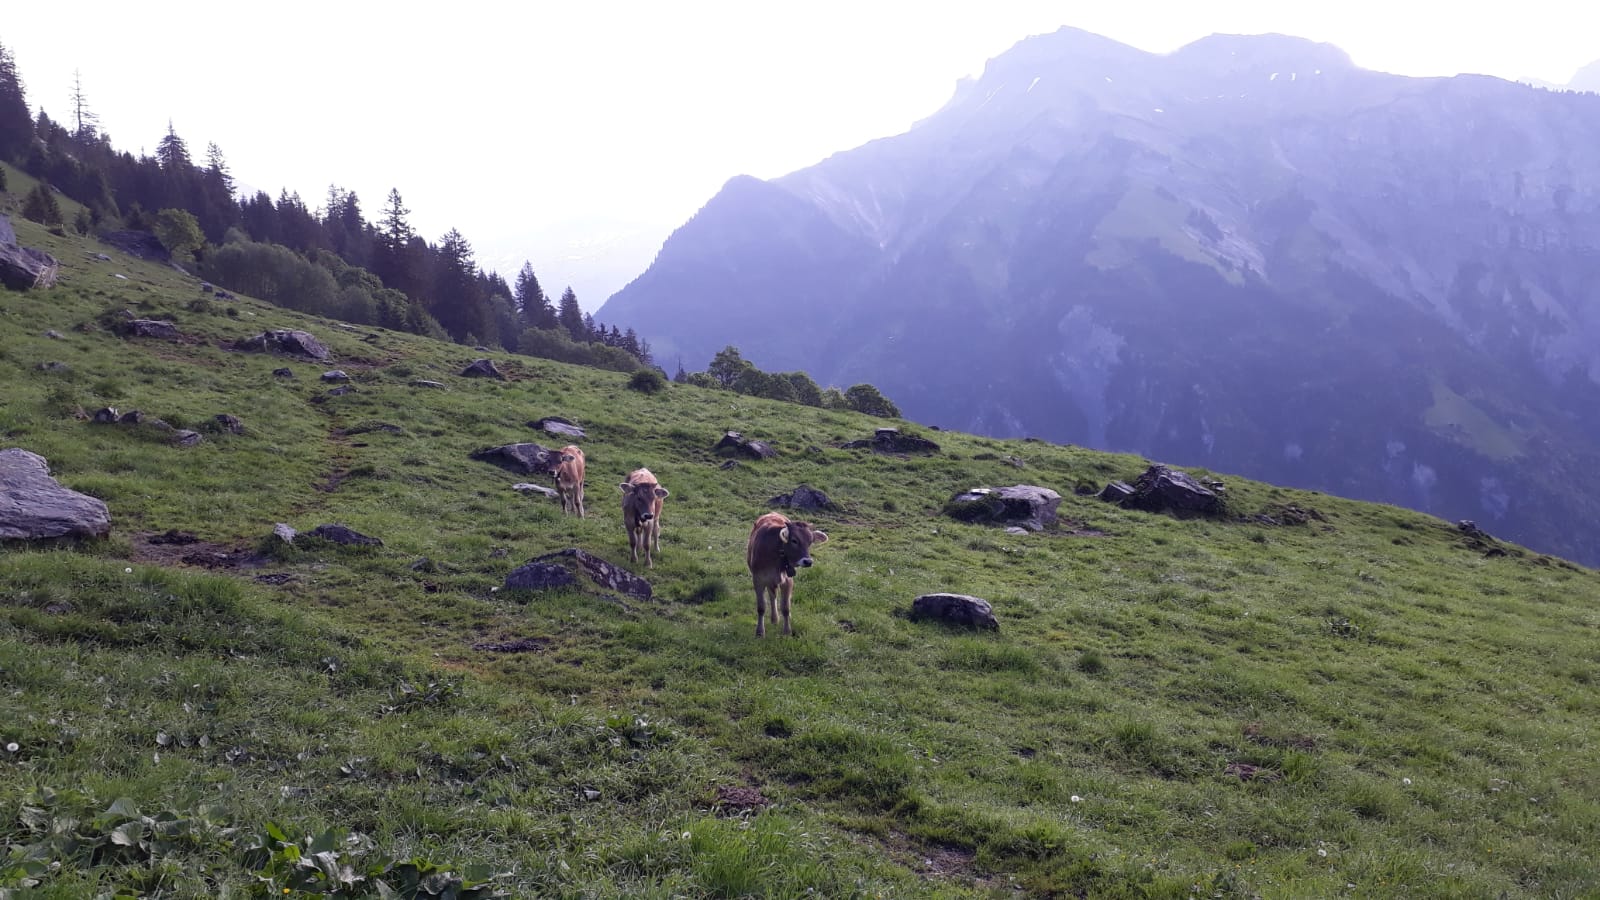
x=577, y=135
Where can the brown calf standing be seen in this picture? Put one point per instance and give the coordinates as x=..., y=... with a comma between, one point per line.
x=777, y=546
x=641, y=514
x=569, y=480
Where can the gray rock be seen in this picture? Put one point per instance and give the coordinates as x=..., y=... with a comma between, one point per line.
x=282, y=373
x=1015, y=530
x=187, y=438
x=890, y=440
x=424, y=383
x=541, y=490
x=335, y=375
x=957, y=609
x=525, y=458
x=284, y=531
x=55, y=335
x=34, y=506
x=148, y=328
x=131, y=417
x=105, y=416
x=1116, y=492
x=205, y=287
x=734, y=442
x=1162, y=488
x=558, y=426
x=803, y=497
x=296, y=343
x=24, y=268
x=483, y=368
x=228, y=423
x=602, y=573
x=537, y=576
x=340, y=534
x=1022, y=505
x=53, y=366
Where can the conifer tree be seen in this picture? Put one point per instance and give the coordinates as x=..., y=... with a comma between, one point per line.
x=85, y=122
x=16, y=124
x=571, y=316
x=532, y=304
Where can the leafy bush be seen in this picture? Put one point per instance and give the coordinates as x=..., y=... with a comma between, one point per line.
x=647, y=381
x=40, y=206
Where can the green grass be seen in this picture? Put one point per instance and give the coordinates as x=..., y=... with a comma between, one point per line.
x=1421, y=713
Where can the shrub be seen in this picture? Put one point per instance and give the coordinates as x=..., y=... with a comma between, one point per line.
x=40, y=206
x=865, y=398
x=647, y=381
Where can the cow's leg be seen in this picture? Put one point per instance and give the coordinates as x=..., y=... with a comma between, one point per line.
x=786, y=589
x=655, y=531
x=761, y=608
x=633, y=545
x=577, y=499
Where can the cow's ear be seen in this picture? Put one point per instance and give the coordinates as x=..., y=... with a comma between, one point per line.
x=661, y=491
x=626, y=486
x=819, y=537
x=783, y=534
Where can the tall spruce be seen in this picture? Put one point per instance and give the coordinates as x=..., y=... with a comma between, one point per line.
x=571, y=316
x=533, y=305
x=395, y=262
x=16, y=124
x=85, y=123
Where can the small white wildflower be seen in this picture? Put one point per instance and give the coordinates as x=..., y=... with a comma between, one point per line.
x=493, y=589
x=1321, y=852
x=686, y=835
x=1076, y=799
x=13, y=747
x=128, y=570
x=1406, y=782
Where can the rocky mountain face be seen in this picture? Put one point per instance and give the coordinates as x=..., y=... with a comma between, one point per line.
x=1247, y=254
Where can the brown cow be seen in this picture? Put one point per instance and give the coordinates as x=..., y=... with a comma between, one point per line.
x=641, y=514
x=569, y=480
x=777, y=546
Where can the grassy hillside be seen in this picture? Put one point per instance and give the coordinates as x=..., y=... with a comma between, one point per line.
x=1363, y=706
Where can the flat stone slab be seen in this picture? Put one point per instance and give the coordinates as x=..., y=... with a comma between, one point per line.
x=34, y=506
x=574, y=561
x=349, y=537
x=530, y=488
x=525, y=458
x=1020, y=505
x=558, y=426
x=297, y=343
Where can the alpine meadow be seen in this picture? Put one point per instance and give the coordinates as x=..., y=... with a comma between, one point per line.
x=1293, y=696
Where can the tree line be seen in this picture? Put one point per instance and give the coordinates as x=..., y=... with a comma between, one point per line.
x=730, y=371
x=332, y=260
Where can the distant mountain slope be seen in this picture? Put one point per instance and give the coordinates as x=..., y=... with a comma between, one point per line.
x=1248, y=253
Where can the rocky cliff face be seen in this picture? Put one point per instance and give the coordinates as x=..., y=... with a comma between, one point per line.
x=1248, y=254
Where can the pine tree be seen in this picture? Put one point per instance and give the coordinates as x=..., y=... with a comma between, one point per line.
x=172, y=152
x=532, y=304
x=570, y=315
x=16, y=124
x=395, y=262
x=86, y=123
x=217, y=168
x=40, y=206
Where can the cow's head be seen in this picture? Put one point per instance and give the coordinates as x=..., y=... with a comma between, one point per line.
x=798, y=538
x=641, y=498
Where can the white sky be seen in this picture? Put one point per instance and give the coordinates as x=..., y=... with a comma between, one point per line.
x=578, y=134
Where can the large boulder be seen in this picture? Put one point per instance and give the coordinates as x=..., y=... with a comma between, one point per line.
x=24, y=268
x=540, y=576
x=148, y=328
x=559, y=427
x=340, y=534
x=1021, y=505
x=580, y=562
x=483, y=368
x=735, y=443
x=34, y=506
x=956, y=609
x=891, y=440
x=803, y=497
x=525, y=458
x=1162, y=488
x=283, y=340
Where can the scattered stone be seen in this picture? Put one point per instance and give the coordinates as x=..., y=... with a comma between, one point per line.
x=24, y=268
x=499, y=553
x=1116, y=492
x=606, y=575
x=890, y=440
x=53, y=366
x=131, y=417
x=541, y=490
x=523, y=458
x=205, y=287
x=297, y=343
x=34, y=506
x=1162, y=488
x=339, y=391
x=147, y=328
x=105, y=416
x=734, y=442
x=558, y=426
x=520, y=645
x=957, y=609
x=1023, y=505
x=424, y=565
x=282, y=373
x=424, y=383
x=536, y=576
x=187, y=438
x=284, y=531
x=730, y=464
x=335, y=375
x=55, y=335
x=102, y=257
x=1476, y=539
x=1012, y=529
x=803, y=497
x=483, y=368
x=229, y=423
x=339, y=534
